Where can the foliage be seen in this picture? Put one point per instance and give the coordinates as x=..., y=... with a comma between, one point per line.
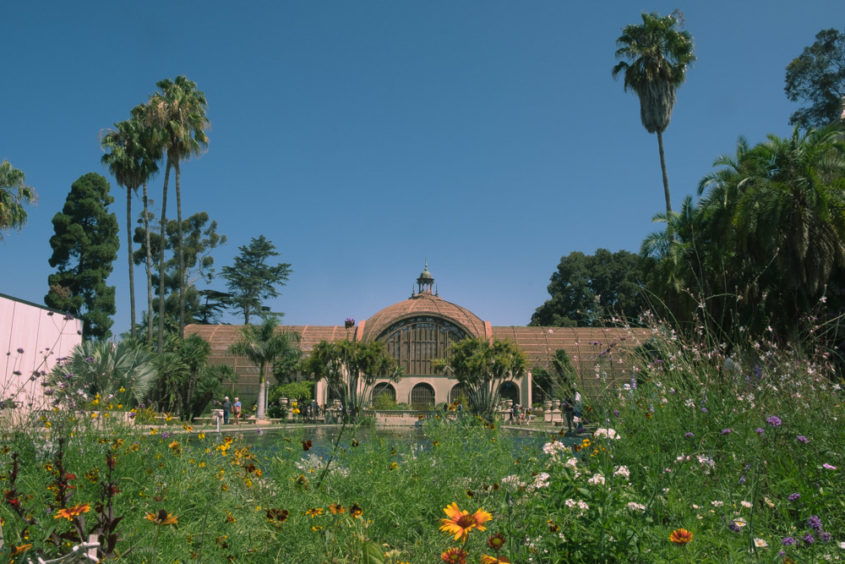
x=350, y=369
x=262, y=345
x=586, y=288
x=817, y=76
x=186, y=383
x=482, y=367
x=766, y=242
x=14, y=193
x=84, y=249
x=251, y=280
x=655, y=56
x=199, y=239
x=301, y=391
x=558, y=382
x=106, y=370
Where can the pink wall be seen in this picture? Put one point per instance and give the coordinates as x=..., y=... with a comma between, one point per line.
x=32, y=339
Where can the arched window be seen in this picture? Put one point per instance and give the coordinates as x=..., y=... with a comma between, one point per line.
x=509, y=390
x=383, y=389
x=458, y=392
x=416, y=341
x=422, y=396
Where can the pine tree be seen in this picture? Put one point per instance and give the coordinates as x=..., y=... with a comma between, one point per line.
x=84, y=249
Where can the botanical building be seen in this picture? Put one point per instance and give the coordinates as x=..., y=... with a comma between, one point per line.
x=420, y=329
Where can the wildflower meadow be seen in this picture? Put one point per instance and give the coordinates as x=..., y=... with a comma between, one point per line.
x=693, y=459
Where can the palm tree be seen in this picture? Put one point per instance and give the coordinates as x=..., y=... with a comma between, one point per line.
x=131, y=163
x=792, y=212
x=262, y=345
x=655, y=59
x=178, y=111
x=13, y=194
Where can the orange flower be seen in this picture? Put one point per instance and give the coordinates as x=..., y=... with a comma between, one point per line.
x=496, y=542
x=460, y=523
x=355, y=511
x=72, y=512
x=162, y=517
x=680, y=536
x=336, y=508
x=486, y=559
x=20, y=549
x=454, y=556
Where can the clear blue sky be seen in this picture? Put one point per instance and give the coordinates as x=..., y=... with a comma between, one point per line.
x=363, y=137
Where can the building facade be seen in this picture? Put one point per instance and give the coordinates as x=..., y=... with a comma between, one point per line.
x=422, y=328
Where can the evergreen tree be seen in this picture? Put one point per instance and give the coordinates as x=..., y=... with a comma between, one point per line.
x=84, y=249
x=251, y=280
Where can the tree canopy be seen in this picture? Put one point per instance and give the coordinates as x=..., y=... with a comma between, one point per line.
x=817, y=77
x=251, y=280
x=588, y=290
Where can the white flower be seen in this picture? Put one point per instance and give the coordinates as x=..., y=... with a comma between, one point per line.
x=717, y=503
x=554, y=448
x=760, y=543
x=541, y=480
x=609, y=433
x=622, y=471
x=745, y=504
x=689, y=403
x=740, y=522
x=572, y=462
x=512, y=482
x=706, y=460
x=636, y=506
x=596, y=479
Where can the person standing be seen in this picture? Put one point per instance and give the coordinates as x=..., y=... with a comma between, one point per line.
x=236, y=411
x=227, y=408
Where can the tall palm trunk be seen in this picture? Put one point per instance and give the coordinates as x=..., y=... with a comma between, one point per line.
x=131, y=264
x=161, y=260
x=149, y=268
x=181, y=254
x=260, y=412
x=665, y=176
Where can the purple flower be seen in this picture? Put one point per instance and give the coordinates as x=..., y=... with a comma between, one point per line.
x=826, y=536
x=89, y=359
x=808, y=539
x=703, y=410
x=759, y=430
x=734, y=527
x=165, y=434
x=616, y=413
x=827, y=466
x=131, y=414
x=793, y=496
x=727, y=431
x=689, y=434
x=774, y=421
x=742, y=479
x=803, y=439
x=788, y=541
x=815, y=523
x=349, y=323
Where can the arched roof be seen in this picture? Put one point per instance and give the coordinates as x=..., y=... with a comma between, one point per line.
x=423, y=305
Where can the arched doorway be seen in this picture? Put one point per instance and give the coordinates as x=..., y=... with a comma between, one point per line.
x=383, y=393
x=422, y=396
x=509, y=390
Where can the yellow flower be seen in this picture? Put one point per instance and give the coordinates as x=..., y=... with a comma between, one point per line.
x=72, y=512
x=201, y=436
x=455, y=555
x=162, y=517
x=459, y=522
x=314, y=512
x=122, y=389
